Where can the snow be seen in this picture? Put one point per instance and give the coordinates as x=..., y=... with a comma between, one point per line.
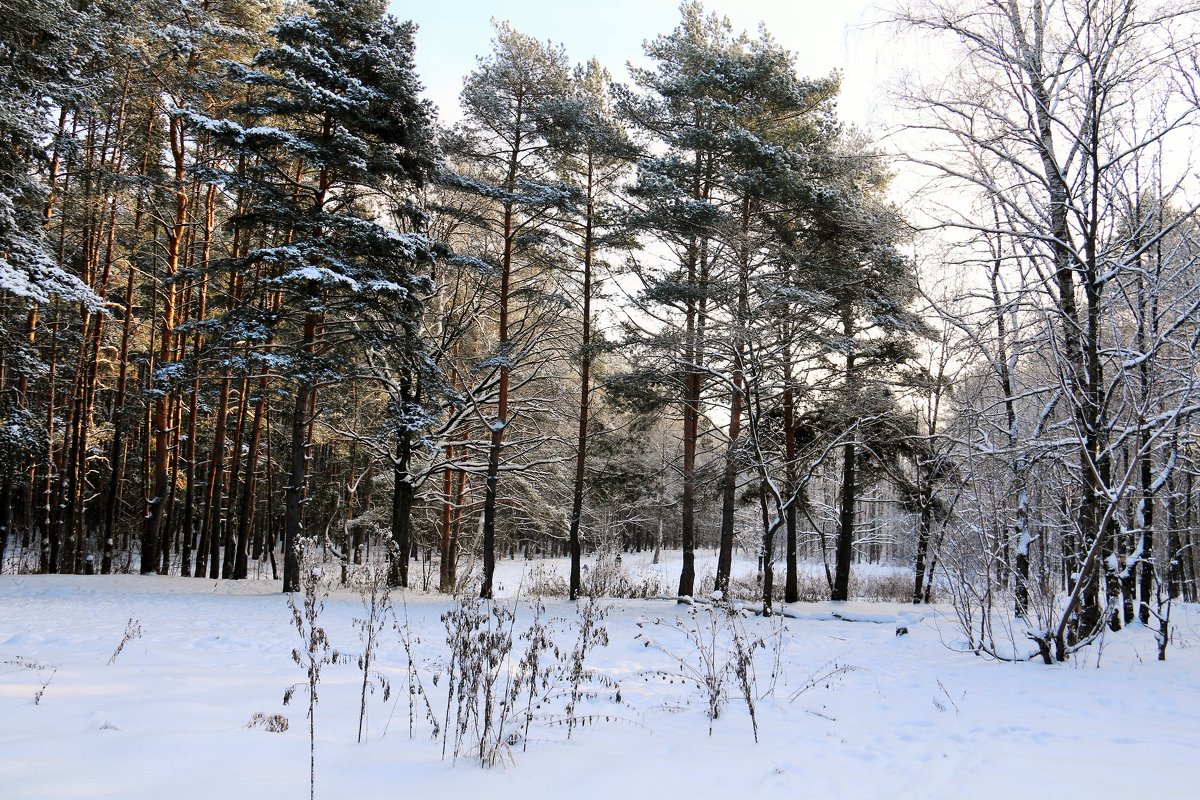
x=857, y=711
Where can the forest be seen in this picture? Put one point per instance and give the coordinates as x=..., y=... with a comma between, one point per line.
x=258, y=306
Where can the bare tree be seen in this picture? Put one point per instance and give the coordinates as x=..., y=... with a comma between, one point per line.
x=1058, y=110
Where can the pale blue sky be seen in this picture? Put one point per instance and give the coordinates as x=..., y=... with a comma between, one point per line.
x=824, y=35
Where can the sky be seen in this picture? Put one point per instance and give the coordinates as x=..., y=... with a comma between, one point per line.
x=823, y=35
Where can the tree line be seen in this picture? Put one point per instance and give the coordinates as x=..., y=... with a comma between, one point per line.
x=253, y=295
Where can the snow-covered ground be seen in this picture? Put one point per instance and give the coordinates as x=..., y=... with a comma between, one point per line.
x=900, y=716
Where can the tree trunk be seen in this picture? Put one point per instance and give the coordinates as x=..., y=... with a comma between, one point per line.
x=160, y=415
x=691, y=424
x=584, y=397
x=47, y=544
x=845, y=538
x=729, y=479
x=849, y=489
x=496, y=442
x=729, y=486
x=446, y=568
x=402, y=500
x=6, y=494
x=249, y=484
x=791, y=587
x=293, y=527
x=117, y=451
x=230, y=536
x=924, y=532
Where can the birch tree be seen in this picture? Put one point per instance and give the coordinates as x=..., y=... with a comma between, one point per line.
x=1057, y=109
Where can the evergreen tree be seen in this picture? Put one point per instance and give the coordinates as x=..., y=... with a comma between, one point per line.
x=593, y=154
x=850, y=255
x=511, y=102
x=333, y=125
x=44, y=45
x=783, y=127
x=43, y=48
x=685, y=106
x=738, y=126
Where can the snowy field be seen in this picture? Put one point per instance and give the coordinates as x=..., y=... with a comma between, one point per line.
x=853, y=710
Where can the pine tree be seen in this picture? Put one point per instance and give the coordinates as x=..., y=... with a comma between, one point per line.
x=43, y=47
x=593, y=155
x=510, y=102
x=333, y=125
x=188, y=85
x=867, y=334
x=736, y=122
x=684, y=104
x=782, y=125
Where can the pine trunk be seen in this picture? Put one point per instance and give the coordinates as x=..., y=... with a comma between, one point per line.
x=585, y=369
x=293, y=527
x=791, y=585
x=402, y=500
x=160, y=420
x=496, y=440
